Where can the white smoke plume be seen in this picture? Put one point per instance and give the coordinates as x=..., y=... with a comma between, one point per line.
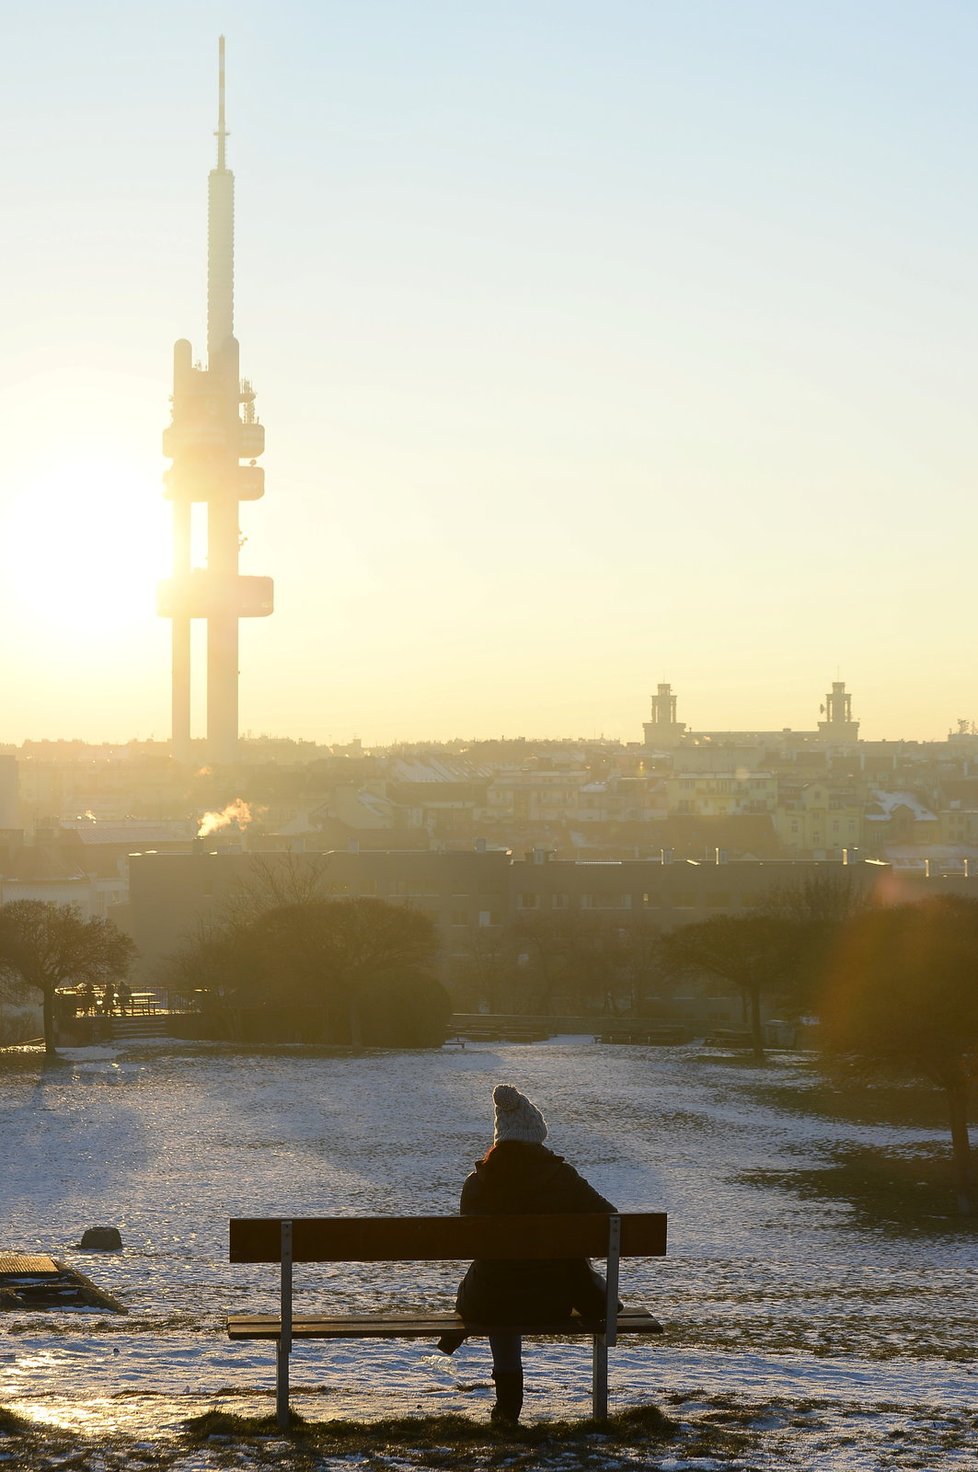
x=237, y=812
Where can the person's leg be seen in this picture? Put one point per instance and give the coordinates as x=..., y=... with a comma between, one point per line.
x=507, y=1371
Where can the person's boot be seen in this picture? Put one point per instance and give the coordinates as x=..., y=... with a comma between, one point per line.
x=509, y=1397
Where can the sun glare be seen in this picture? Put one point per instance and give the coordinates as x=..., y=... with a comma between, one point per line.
x=84, y=545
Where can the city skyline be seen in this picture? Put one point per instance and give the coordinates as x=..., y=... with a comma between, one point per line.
x=599, y=350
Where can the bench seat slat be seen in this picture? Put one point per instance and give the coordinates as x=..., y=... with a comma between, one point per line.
x=422, y=1326
x=445, y=1239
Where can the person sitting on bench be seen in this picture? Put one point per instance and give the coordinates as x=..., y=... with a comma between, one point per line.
x=518, y=1174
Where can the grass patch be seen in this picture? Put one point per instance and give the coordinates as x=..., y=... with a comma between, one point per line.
x=634, y=1427
x=13, y=1425
x=228, y=1423
x=907, y=1195
x=857, y=1101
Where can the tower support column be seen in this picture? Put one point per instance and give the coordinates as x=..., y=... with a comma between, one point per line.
x=180, y=699
x=222, y=687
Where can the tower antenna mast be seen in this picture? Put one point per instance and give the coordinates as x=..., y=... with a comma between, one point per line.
x=222, y=133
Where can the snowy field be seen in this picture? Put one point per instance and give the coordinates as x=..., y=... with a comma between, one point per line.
x=795, y=1339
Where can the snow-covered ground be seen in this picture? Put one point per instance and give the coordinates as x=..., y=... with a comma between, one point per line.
x=824, y=1345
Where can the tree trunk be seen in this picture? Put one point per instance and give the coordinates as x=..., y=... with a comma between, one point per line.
x=48, y=995
x=957, y=1101
x=756, y=1030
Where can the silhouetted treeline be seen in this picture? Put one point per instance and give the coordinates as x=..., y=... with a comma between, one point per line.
x=358, y=972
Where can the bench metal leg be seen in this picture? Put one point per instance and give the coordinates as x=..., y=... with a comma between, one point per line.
x=599, y=1378
x=282, y=1413
x=599, y=1353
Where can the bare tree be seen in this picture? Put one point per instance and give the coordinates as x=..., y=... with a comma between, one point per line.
x=827, y=897
x=645, y=959
x=486, y=966
x=819, y=906
x=276, y=880
x=574, y=959
x=337, y=956
x=755, y=953
x=362, y=941
x=45, y=946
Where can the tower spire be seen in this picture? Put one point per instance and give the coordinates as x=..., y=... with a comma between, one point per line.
x=222, y=133
x=220, y=237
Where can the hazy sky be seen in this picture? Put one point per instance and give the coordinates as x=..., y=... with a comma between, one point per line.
x=597, y=344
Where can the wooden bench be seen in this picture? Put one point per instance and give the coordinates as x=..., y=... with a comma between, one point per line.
x=442, y=1239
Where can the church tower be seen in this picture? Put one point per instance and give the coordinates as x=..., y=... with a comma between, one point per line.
x=663, y=730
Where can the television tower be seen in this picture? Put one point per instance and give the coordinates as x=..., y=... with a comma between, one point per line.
x=213, y=428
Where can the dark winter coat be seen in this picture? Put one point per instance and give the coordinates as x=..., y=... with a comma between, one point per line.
x=518, y=1177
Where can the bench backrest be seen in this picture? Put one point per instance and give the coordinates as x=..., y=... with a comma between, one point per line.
x=445, y=1238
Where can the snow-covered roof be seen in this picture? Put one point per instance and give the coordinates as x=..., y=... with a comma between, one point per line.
x=890, y=801
x=359, y=809
x=136, y=831
x=435, y=769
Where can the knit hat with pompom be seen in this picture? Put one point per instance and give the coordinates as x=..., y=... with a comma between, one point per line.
x=516, y=1118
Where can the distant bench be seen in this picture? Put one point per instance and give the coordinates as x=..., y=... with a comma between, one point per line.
x=144, y=1002
x=438, y=1239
